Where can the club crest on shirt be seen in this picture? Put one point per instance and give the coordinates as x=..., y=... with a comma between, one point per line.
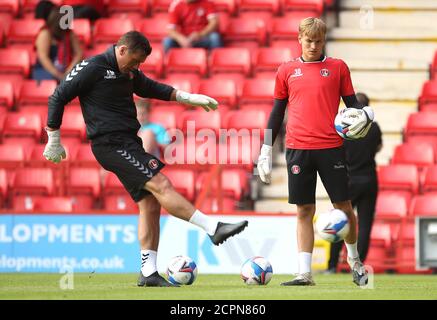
x=200, y=12
x=153, y=164
x=324, y=72
x=295, y=169
x=297, y=73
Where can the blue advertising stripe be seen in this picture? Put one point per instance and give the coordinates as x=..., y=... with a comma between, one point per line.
x=46, y=243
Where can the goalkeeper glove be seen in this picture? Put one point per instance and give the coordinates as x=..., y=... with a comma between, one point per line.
x=197, y=100
x=265, y=163
x=54, y=151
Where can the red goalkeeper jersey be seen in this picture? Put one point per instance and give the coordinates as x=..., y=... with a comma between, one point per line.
x=313, y=90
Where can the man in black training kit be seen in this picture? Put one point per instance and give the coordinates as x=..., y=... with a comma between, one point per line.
x=363, y=185
x=105, y=85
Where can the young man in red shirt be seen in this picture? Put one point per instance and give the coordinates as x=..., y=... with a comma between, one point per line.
x=312, y=86
x=192, y=23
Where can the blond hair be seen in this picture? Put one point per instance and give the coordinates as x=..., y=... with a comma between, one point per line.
x=312, y=27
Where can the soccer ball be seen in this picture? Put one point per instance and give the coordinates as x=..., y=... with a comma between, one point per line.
x=256, y=271
x=181, y=270
x=340, y=127
x=333, y=226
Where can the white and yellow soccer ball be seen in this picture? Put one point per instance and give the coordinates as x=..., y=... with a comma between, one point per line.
x=352, y=124
x=333, y=226
x=256, y=271
x=182, y=270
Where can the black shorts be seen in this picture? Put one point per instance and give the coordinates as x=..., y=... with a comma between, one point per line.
x=302, y=168
x=124, y=155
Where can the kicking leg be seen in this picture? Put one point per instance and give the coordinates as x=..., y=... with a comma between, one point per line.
x=161, y=187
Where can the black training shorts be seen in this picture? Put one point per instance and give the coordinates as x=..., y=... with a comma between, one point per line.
x=302, y=168
x=124, y=155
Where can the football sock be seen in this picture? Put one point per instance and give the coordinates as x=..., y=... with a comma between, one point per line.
x=304, y=262
x=352, y=251
x=203, y=221
x=148, y=262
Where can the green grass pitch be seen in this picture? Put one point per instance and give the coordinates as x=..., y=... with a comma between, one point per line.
x=214, y=287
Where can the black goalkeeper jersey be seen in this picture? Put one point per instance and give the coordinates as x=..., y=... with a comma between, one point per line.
x=105, y=95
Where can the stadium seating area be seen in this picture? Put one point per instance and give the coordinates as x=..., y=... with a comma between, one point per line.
x=258, y=35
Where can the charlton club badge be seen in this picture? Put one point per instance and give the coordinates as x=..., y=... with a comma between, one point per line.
x=153, y=164
x=324, y=72
x=295, y=169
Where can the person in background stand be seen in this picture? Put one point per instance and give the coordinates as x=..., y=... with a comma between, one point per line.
x=363, y=185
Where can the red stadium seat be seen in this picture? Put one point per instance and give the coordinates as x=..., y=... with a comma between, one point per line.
x=11, y=155
x=158, y=6
x=15, y=61
x=248, y=33
x=166, y=116
x=428, y=107
x=84, y=181
x=287, y=27
x=315, y=6
x=237, y=78
x=269, y=59
x=391, y=205
x=235, y=183
x=23, y=31
x=423, y=139
x=265, y=16
x=381, y=235
x=258, y=91
x=260, y=5
x=254, y=121
x=377, y=257
x=73, y=124
x=52, y=204
x=210, y=205
x=155, y=29
x=422, y=123
x=23, y=124
x=224, y=91
x=33, y=181
x=228, y=6
x=187, y=60
x=6, y=94
x=82, y=29
x=401, y=177
x=105, y=32
x=183, y=180
x=34, y=92
x=3, y=187
x=424, y=205
x=119, y=202
x=82, y=202
x=180, y=82
x=139, y=6
x=429, y=93
x=420, y=155
x=230, y=60
x=10, y=6
x=153, y=66
x=200, y=120
x=84, y=157
x=430, y=181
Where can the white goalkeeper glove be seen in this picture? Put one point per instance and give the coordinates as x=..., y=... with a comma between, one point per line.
x=54, y=151
x=265, y=163
x=197, y=100
x=358, y=121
